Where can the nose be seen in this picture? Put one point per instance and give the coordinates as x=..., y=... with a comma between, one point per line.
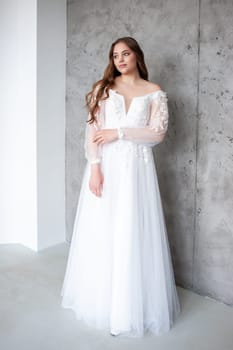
x=121, y=57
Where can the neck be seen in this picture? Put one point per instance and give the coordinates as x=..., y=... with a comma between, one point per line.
x=130, y=78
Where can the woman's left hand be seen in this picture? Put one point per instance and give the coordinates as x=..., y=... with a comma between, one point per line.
x=105, y=136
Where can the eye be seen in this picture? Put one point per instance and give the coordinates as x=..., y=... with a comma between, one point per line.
x=114, y=57
x=126, y=54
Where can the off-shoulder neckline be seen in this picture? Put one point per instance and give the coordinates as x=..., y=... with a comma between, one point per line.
x=134, y=98
x=150, y=93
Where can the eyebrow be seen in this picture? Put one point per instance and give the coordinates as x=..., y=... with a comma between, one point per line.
x=122, y=51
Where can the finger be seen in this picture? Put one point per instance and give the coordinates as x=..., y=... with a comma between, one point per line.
x=92, y=189
x=98, y=193
x=100, y=142
x=97, y=139
x=98, y=134
x=101, y=189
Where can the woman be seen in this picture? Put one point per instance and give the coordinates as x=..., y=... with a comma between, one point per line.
x=119, y=274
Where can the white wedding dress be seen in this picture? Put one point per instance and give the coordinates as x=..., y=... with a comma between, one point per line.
x=119, y=275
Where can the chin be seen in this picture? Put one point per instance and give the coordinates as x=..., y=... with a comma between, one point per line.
x=124, y=70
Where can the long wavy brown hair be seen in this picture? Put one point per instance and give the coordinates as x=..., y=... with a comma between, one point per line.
x=102, y=86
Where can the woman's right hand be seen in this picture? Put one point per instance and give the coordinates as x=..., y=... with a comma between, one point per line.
x=96, y=180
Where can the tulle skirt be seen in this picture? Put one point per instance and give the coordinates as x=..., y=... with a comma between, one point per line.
x=119, y=275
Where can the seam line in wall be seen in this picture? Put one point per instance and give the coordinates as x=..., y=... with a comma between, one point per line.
x=196, y=144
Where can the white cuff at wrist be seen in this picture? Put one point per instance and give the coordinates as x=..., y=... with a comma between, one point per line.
x=95, y=161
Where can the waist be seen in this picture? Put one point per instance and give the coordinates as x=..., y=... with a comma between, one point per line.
x=127, y=148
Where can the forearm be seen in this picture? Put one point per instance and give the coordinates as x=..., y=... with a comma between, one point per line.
x=142, y=135
x=92, y=150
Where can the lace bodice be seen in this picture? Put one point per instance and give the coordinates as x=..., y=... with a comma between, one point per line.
x=146, y=120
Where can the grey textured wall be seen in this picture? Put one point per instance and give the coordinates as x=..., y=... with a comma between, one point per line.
x=188, y=51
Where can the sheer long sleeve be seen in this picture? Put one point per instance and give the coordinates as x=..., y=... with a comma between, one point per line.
x=93, y=152
x=157, y=125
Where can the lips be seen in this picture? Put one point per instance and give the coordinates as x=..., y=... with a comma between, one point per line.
x=122, y=66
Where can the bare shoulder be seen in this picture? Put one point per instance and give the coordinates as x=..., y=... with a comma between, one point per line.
x=152, y=87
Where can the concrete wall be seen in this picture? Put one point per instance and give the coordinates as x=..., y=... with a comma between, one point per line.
x=213, y=254
x=188, y=51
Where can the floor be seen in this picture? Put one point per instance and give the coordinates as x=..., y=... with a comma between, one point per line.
x=31, y=316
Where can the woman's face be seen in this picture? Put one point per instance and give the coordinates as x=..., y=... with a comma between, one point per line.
x=124, y=58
